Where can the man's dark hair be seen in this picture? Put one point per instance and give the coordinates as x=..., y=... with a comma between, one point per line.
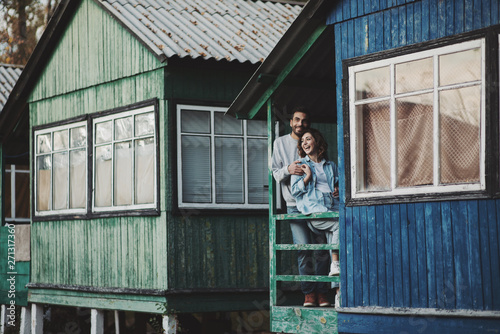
x=301, y=109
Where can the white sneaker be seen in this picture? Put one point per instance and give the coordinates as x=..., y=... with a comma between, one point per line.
x=334, y=268
x=337, y=300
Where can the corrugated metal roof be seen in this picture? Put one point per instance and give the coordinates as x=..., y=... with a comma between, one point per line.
x=219, y=29
x=8, y=77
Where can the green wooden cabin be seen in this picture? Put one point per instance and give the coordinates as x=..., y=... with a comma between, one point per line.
x=143, y=194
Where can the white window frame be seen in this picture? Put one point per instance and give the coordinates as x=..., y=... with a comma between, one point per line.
x=13, y=172
x=245, y=136
x=51, y=130
x=98, y=120
x=356, y=168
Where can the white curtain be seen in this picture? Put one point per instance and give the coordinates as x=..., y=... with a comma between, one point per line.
x=78, y=185
x=123, y=174
x=103, y=171
x=144, y=171
x=60, y=183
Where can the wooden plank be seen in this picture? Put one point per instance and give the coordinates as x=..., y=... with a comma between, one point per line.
x=389, y=255
x=365, y=273
x=448, y=268
x=433, y=20
x=372, y=33
x=381, y=274
x=303, y=320
x=405, y=256
x=494, y=12
x=358, y=38
x=425, y=19
x=460, y=245
x=476, y=286
x=356, y=256
x=459, y=16
x=469, y=17
x=387, y=33
x=449, y=17
x=397, y=261
x=476, y=14
x=438, y=251
x=349, y=296
x=394, y=14
x=421, y=257
x=484, y=252
x=494, y=235
x=410, y=23
x=379, y=32
x=431, y=214
x=372, y=259
x=441, y=17
x=403, y=40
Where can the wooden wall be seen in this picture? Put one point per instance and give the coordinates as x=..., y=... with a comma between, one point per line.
x=425, y=255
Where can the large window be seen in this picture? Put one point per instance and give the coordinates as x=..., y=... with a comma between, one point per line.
x=417, y=122
x=125, y=160
x=222, y=161
x=61, y=169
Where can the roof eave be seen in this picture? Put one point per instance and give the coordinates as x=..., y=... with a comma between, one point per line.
x=311, y=17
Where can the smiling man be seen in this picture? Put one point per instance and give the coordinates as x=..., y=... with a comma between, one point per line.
x=285, y=162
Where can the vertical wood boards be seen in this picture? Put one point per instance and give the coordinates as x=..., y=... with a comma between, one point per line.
x=436, y=254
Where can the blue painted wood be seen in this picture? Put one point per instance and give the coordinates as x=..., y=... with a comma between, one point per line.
x=397, y=262
x=494, y=234
x=349, y=255
x=460, y=245
x=389, y=267
x=356, y=254
x=425, y=20
x=433, y=20
x=449, y=15
x=372, y=35
x=368, y=323
x=469, y=18
x=365, y=274
x=430, y=254
x=448, y=268
x=459, y=17
x=476, y=14
x=442, y=18
x=421, y=260
x=382, y=286
x=372, y=259
x=439, y=260
x=405, y=256
x=485, y=253
x=343, y=255
x=494, y=11
x=410, y=23
x=474, y=255
x=354, y=8
x=486, y=11
x=394, y=13
x=379, y=31
x=417, y=22
x=413, y=257
x=402, y=25
x=358, y=38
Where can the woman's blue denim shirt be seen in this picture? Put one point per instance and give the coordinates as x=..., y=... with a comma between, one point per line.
x=309, y=199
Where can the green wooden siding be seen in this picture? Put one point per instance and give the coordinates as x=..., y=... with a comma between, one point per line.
x=94, y=49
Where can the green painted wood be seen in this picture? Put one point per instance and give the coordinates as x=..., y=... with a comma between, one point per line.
x=137, y=303
x=287, y=319
x=123, y=252
x=93, y=49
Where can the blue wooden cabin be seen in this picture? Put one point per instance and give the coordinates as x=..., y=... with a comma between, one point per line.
x=141, y=195
x=410, y=88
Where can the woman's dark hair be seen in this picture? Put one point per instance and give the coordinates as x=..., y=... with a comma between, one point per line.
x=320, y=143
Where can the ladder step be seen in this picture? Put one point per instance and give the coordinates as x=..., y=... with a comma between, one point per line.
x=280, y=247
x=306, y=278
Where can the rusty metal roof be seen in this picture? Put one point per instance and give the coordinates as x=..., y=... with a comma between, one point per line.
x=8, y=77
x=211, y=29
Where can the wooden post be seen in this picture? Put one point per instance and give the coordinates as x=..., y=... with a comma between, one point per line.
x=36, y=319
x=2, y=319
x=97, y=321
x=117, y=322
x=25, y=327
x=169, y=323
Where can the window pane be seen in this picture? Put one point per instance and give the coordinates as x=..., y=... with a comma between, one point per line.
x=123, y=174
x=460, y=134
x=123, y=128
x=195, y=121
x=460, y=67
x=257, y=128
x=414, y=140
x=196, y=170
x=8, y=197
x=43, y=178
x=414, y=75
x=144, y=171
x=44, y=143
x=78, y=185
x=103, y=132
x=78, y=137
x=22, y=194
x=373, y=83
x=229, y=170
x=103, y=172
x=227, y=125
x=60, y=184
x=258, y=188
x=375, y=146
x=145, y=124
x=60, y=140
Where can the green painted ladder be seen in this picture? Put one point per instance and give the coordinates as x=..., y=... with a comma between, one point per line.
x=295, y=318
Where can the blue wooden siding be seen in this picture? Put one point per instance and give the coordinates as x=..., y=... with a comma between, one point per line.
x=424, y=255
